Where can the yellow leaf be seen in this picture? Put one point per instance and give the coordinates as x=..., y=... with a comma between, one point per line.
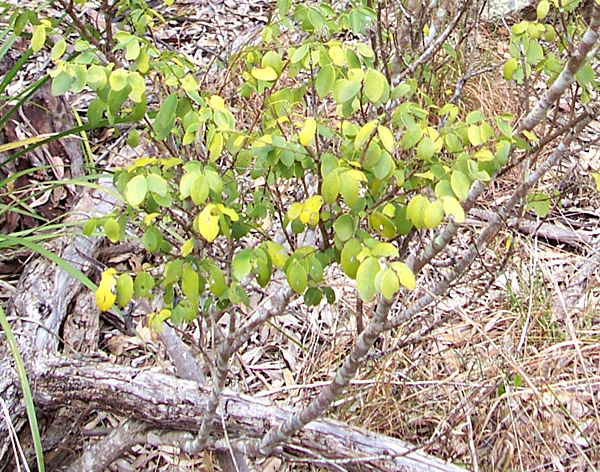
x=268, y=74
x=106, y=293
x=216, y=102
x=310, y=210
x=308, y=131
x=208, y=224
x=228, y=211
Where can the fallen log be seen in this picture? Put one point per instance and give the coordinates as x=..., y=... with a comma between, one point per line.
x=168, y=403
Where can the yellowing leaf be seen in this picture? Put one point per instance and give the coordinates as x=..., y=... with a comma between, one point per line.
x=228, y=211
x=434, y=214
x=386, y=137
x=389, y=284
x=474, y=135
x=416, y=209
x=406, y=276
x=365, y=278
x=310, y=210
x=136, y=189
x=294, y=211
x=38, y=38
x=216, y=102
x=452, y=207
x=308, y=131
x=268, y=74
x=460, y=184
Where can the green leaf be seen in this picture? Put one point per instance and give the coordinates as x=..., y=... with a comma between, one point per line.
x=136, y=190
x=132, y=50
x=349, y=188
x=118, y=79
x=345, y=90
x=384, y=166
x=138, y=87
x=425, y=149
x=96, y=77
x=124, y=290
x=460, y=184
x=376, y=86
x=165, y=118
x=112, y=230
x=241, y=264
x=58, y=49
x=38, y=38
x=299, y=53
x=152, y=239
x=539, y=203
x=61, y=83
x=315, y=268
x=325, y=80
x=349, y=257
x=272, y=59
x=297, y=277
x=190, y=283
x=143, y=285
x=509, y=68
x=157, y=184
x=313, y=296
x=411, y=137
x=365, y=278
x=383, y=225
x=535, y=53
x=216, y=282
x=344, y=227
x=199, y=190
x=382, y=249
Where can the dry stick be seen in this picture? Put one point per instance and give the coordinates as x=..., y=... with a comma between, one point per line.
x=430, y=51
x=99, y=456
x=317, y=407
x=223, y=356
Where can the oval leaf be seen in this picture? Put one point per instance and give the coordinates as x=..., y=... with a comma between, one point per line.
x=136, y=190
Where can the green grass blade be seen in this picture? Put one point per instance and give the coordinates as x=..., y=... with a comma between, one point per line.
x=62, y=263
x=27, y=396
